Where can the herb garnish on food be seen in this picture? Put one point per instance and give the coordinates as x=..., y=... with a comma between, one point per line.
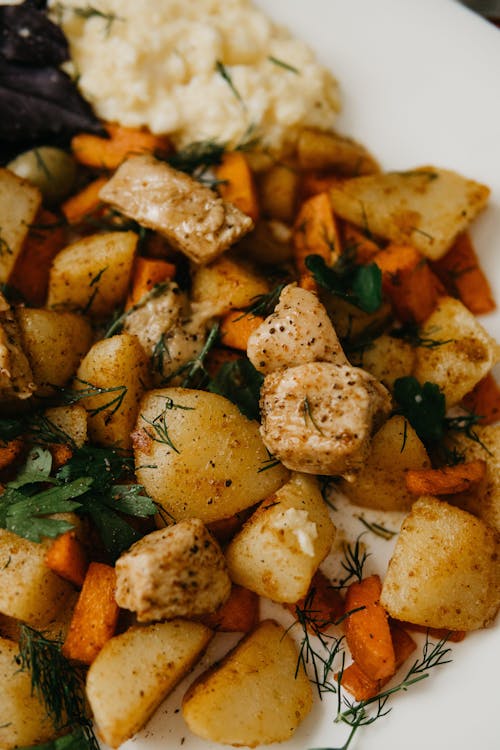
x=359, y=285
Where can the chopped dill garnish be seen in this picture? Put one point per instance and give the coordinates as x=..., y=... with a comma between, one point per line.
x=263, y=304
x=193, y=372
x=118, y=322
x=68, y=396
x=282, y=64
x=354, y=561
x=308, y=415
x=159, y=424
x=377, y=529
x=410, y=333
x=223, y=72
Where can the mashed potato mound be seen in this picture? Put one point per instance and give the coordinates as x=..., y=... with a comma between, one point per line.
x=197, y=70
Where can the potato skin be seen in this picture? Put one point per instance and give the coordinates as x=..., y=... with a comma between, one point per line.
x=118, y=362
x=445, y=570
x=254, y=695
x=216, y=463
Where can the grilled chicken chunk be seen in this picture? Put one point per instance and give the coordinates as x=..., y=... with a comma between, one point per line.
x=178, y=571
x=16, y=377
x=193, y=218
x=298, y=331
x=318, y=418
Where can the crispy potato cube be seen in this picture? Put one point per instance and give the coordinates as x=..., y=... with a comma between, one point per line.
x=380, y=484
x=117, y=363
x=178, y=571
x=92, y=275
x=227, y=283
x=298, y=331
x=16, y=377
x=191, y=216
x=18, y=208
x=23, y=717
x=29, y=591
x=258, y=694
x=466, y=355
x=445, y=570
x=199, y=457
x=388, y=358
x=278, y=192
x=136, y=670
x=320, y=150
x=55, y=343
x=425, y=207
x=283, y=543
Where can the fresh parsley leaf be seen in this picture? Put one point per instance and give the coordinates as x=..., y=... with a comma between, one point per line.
x=240, y=382
x=129, y=498
x=197, y=156
x=74, y=741
x=36, y=469
x=359, y=285
x=116, y=534
x=105, y=465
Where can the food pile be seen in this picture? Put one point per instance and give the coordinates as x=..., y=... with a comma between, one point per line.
x=200, y=341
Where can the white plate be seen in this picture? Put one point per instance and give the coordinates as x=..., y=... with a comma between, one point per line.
x=420, y=86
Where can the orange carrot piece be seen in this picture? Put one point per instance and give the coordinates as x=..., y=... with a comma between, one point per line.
x=463, y=277
x=109, y=153
x=314, y=182
x=236, y=328
x=363, y=687
x=484, y=400
x=306, y=281
x=408, y=282
x=445, y=481
x=315, y=232
x=239, y=614
x=353, y=237
x=237, y=184
x=217, y=357
x=95, y=616
x=85, y=203
x=147, y=273
x=323, y=604
x=367, y=632
x=66, y=556
x=60, y=453
x=9, y=451
x=30, y=275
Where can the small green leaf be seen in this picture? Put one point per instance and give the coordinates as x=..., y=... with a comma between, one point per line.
x=423, y=406
x=240, y=382
x=367, y=287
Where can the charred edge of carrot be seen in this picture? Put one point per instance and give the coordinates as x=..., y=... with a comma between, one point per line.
x=237, y=185
x=484, y=400
x=239, y=614
x=60, y=454
x=95, y=616
x=30, y=275
x=236, y=328
x=445, y=481
x=367, y=631
x=408, y=281
x=461, y=273
x=109, y=153
x=9, y=451
x=147, y=273
x=353, y=237
x=315, y=232
x=314, y=182
x=323, y=604
x=67, y=557
x=84, y=203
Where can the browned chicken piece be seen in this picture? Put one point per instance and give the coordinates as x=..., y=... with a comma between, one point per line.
x=298, y=331
x=179, y=571
x=318, y=418
x=16, y=377
x=193, y=218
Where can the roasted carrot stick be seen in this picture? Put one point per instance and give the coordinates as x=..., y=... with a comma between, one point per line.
x=30, y=275
x=9, y=451
x=447, y=480
x=236, y=327
x=353, y=237
x=95, y=616
x=109, y=153
x=367, y=631
x=146, y=274
x=237, y=185
x=484, y=400
x=239, y=614
x=408, y=282
x=463, y=277
x=84, y=203
x=323, y=605
x=315, y=232
x=315, y=182
x=67, y=557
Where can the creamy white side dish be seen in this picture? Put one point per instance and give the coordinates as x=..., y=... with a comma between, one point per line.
x=197, y=70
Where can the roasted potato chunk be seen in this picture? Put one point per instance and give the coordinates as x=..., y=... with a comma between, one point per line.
x=256, y=695
x=18, y=208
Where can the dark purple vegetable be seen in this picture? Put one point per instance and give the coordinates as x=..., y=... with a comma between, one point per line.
x=39, y=104
x=28, y=36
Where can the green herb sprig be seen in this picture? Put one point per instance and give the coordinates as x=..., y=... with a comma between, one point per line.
x=359, y=285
